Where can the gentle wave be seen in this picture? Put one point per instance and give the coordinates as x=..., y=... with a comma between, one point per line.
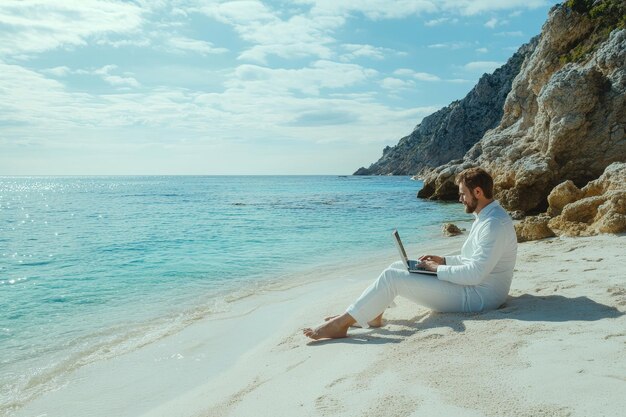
x=97, y=346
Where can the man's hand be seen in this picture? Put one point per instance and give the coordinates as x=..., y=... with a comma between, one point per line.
x=431, y=262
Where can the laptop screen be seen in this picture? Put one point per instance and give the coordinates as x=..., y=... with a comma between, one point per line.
x=396, y=238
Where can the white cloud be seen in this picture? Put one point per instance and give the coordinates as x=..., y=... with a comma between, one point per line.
x=482, y=50
x=320, y=75
x=368, y=51
x=259, y=53
x=116, y=80
x=62, y=71
x=421, y=76
x=310, y=32
x=193, y=45
x=450, y=45
x=374, y=10
x=393, y=9
x=424, y=76
x=491, y=23
x=404, y=71
x=39, y=102
x=391, y=83
x=518, y=33
x=323, y=98
x=482, y=66
x=294, y=37
x=105, y=72
x=40, y=25
x=473, y=7
x=440, y=21
x=239, y=12
x=140, y=42
x=243, y=112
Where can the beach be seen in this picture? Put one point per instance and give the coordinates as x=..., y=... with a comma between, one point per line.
x=556, y=348
x=190, y=189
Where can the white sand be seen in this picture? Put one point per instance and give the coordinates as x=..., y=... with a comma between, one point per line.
x=558, y=348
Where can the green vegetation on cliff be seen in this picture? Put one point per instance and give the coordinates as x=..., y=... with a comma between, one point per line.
x=605, y=16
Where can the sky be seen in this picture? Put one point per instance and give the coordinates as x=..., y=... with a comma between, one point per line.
x=203, y=87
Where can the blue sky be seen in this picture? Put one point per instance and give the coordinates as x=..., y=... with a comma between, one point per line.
x=236, y=87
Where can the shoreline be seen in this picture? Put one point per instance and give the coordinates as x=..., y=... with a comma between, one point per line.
x=55, y=372
x=236, y=305
x=255, y=356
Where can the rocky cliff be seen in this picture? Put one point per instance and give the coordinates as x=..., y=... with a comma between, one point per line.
x=565, y=116
x=450, y=132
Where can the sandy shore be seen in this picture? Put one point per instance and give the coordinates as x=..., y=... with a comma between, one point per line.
x=557, y=348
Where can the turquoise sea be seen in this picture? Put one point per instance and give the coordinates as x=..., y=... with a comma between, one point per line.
x=93, y=267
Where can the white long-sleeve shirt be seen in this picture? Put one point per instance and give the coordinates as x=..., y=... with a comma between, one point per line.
x=488, y=255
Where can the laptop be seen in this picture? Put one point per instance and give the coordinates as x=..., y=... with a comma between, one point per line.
x=412, y=266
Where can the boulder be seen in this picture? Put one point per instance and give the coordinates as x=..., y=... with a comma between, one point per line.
x=533, y=228
x=561, y=195
x=602, y=208
x=449, y=229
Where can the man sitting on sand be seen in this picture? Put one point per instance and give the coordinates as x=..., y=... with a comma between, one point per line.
x=478, y=279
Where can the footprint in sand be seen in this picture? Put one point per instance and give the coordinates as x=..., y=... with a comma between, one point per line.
x=402, y=406
x=532, y=258
x=611, y=336
x=288, y=343
x=335, y=382
x=327, y=405
x=619, y=293
x=593, y=260
x=295, y=365
x=616, y=291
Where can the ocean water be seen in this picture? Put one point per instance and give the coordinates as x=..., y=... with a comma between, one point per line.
x=93, y=267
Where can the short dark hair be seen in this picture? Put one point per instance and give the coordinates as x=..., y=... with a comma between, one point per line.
x=476, y=177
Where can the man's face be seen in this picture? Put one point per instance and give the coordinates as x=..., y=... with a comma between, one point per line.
x=467, y=198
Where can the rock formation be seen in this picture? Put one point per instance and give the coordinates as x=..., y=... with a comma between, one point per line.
x=450, y=229
x=533, y=228
x=600, y=208
x=562, y=120
x=450, y=132
x=562, y=195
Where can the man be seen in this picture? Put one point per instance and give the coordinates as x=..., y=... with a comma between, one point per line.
x=478, y=279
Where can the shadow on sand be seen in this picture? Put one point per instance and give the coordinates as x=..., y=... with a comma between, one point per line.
x=526, y=307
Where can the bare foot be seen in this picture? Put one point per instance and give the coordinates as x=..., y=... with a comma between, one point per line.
x=377, y=322
x=334, y=328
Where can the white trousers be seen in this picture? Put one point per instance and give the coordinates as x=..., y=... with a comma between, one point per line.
x=425, y=290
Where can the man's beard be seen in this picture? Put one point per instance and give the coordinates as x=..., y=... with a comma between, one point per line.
x=470, y=206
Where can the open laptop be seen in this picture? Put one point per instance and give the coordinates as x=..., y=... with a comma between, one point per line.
x=412, y=266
